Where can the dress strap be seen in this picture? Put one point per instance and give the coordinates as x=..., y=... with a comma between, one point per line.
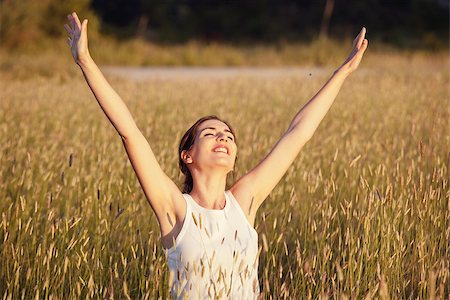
x=240, y=211
x=188, y=200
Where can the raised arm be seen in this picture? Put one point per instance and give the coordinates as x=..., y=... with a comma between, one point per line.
x=252, y=188
x=161, y=192
x=109, y=101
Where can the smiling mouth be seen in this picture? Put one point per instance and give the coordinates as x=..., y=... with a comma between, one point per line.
x=221, y=150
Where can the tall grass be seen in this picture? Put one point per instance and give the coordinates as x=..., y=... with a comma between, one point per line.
x=363, y=212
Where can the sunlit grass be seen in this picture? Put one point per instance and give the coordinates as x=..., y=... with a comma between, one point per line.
x=363, y=212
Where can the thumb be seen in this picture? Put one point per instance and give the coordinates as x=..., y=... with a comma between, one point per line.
x=364, y=45
x=84, y=26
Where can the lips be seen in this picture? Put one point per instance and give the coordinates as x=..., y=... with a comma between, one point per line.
x=222, y=149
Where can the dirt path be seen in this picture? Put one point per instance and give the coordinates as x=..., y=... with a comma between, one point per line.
x=145, y=73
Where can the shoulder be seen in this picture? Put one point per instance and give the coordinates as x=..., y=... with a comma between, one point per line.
x=245, y=200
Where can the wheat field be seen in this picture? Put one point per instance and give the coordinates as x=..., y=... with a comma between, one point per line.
x=362, y=213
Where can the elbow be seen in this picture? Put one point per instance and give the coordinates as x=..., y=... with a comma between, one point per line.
x=302, y=132
x=130, y=134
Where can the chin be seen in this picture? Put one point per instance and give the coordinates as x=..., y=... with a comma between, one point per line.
x=224, y=166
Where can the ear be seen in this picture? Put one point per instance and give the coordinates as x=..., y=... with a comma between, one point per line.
x=186, y=157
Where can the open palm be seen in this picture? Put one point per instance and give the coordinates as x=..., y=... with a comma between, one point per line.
x=360, y=44
x=77, y=39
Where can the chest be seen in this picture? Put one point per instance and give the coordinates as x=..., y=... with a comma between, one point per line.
x=217, y=241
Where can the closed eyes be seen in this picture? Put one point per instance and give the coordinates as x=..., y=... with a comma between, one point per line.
x=230, y=137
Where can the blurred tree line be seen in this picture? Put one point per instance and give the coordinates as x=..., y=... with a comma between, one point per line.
x=28, y=22
x=403, y=23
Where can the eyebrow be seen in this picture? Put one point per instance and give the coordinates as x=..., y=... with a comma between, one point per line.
x=214, y=128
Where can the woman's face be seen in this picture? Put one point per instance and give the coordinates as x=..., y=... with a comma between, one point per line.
x=214, y=147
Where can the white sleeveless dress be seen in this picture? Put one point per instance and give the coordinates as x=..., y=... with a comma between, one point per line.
x=215, y=254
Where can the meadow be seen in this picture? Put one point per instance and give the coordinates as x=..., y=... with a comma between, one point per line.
x=363, y=212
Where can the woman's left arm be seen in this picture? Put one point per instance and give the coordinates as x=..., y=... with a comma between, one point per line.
x=251, y=189
x=309, y=117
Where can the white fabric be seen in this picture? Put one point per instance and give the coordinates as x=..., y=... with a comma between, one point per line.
x=215, y=254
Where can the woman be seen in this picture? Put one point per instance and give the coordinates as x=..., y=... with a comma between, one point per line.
x=208, y=232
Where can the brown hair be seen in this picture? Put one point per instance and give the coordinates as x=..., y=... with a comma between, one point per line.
x=186, y=143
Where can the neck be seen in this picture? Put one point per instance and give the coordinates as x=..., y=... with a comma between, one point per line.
x=208, y=189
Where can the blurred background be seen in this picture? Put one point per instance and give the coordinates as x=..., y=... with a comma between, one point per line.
x=362, y=213
x=208, y=32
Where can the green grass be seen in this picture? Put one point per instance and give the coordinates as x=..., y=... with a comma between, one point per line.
x=363, y=212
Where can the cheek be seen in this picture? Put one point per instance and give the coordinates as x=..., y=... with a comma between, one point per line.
x=235, y=150
x=199, y=150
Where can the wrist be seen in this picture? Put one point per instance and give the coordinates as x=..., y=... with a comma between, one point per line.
x=84, y=60
x=342, y=71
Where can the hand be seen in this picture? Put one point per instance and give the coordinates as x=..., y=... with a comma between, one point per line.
x=77, y=39
x=359, y=47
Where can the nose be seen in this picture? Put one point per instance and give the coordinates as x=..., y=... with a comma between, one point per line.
x=222, y=137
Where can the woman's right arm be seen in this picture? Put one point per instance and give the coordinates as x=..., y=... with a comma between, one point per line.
x=110, y=102
x=161, y=192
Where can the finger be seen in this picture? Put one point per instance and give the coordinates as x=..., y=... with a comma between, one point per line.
x=361, y=37
x=77, y=20
x=356, y=40
x=84, y=27
x=69, y=42
x=363, y=48
x=68, y=29
x=364, y=45
x=71, y=23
